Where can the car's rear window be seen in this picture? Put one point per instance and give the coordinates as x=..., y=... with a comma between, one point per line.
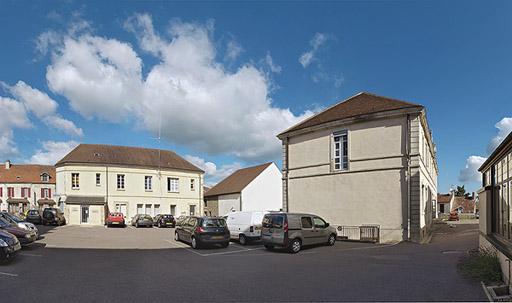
x=273, y=221
x=147, y=217
x=33, y=212
x=214, y=223
x=167, y=216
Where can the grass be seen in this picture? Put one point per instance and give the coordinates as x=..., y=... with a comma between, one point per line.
x=481, y=265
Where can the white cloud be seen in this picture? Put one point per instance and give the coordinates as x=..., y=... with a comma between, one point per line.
x=273, y=67
x=43, y=107
x=504, y=127
x=308, y=56
x=14, y=116
x=199, y=102
x=470, y=172
x=213, y=174
x=52, y=152
x=233, y=50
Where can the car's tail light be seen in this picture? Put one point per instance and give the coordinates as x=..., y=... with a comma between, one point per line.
x=251, y=229
x=285, y=228
x=199, y=230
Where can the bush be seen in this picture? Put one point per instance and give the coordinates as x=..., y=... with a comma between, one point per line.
x=481, y=265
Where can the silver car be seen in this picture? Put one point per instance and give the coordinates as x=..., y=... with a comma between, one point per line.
x=13, y=219
x=142, y=220
x=294, y=230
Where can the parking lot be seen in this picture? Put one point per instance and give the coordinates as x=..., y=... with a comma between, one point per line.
x=348, y=271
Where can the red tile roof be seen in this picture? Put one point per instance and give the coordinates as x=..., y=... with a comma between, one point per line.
x=360, y=104
x=26, y=173
x=468, y=205
x=444, y=198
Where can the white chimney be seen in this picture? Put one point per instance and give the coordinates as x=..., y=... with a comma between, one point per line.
x=7, y=164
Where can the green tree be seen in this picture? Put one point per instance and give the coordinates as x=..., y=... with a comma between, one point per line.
x=461, y=191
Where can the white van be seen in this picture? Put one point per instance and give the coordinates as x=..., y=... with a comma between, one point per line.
x=245, y=225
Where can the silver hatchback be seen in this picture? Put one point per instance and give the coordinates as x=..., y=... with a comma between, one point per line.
x=294, y=230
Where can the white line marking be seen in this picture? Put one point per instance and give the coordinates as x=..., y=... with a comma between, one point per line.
x=231, y=252
x=30, y=255
x=8, y=274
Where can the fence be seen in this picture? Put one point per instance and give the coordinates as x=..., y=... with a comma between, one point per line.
x=364, y=233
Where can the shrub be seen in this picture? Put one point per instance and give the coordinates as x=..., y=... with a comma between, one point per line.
x=481, y=265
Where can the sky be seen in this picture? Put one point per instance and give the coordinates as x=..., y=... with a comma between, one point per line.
x=217, y=81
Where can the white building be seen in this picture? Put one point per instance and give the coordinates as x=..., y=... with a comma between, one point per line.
x=95, y=179
x=368, y=160
x=26, y=186
x=257, y=188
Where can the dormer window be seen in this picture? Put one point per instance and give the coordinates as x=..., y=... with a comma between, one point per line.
x=45, y=177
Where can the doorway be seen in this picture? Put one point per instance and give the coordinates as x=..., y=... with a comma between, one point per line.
x=85, y=214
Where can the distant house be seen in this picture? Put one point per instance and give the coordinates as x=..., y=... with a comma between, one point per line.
x=369, y=160
x=256, y=188
x=26, y=186
x=464, y=205
x=93, y=180
x=444, y=203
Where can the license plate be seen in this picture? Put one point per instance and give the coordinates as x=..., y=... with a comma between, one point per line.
x=217, y=237
x=168, y=223
x=115, y=222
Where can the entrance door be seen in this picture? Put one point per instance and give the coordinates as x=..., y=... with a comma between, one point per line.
x=85, y=213
x=441, y=208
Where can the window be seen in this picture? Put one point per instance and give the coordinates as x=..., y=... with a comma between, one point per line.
x=139, y=208
x=306, y=222
x=45, y=193
x=319, y=223
x=157, y=209
x=10, y=192
x=25, y=192
x=148, y=186
x=75, y=181
x=192, y=184
x=98, y=179
x=192, y=210
x=45, y=177
x=340, y=148
x=148, y=209
x=173, y=185
x=173, y=210
x=120, y=181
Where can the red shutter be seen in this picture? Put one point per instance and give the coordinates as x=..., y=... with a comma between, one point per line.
x=42, y=193
x=1, y=191
x=28, y=189
x=49, y=193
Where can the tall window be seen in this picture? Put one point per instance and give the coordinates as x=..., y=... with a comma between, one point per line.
x=45, y=193
x=340, y=148
x=173, y=210
x=98, y=179
x=148, y=183
x=75, y=180
x=173, y=185
x=25, y=192
x=192, y=184
x=120, y=181
x=10, y=192
x=45, y=177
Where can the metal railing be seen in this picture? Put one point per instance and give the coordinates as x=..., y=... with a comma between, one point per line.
x=363, y=233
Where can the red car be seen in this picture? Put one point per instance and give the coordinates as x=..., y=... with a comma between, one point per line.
x=454, y=216
x=115, y=219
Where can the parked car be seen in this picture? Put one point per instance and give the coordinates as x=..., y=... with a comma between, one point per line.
x=142, y=220
x=164, y=220
x=9, y=245
x=115, y=219
x=13, y=219
x=199, y=231
x=245, y=226
x=24, y=236
x=181, y=219
x=454, y=216
x=34, y=216
x=294, y=230
x=53, y=216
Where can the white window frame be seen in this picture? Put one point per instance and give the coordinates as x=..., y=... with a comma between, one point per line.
x=148, y=183
x=75, y=182
x=98, y=179
x=120, y=181
x=343, y=158
x=45, y=177
x=173, y=185
x=192, y=184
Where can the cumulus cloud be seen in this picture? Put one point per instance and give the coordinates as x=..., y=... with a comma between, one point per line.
x=14, y=116
x=213, y=174
x=197, y=102
x=316, y=42
x=52, y=152
x=470, y=172
x=504, y=127
x=43, y=107
x=233, y=50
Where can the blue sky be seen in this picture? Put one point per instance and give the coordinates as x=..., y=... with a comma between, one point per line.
x=223, y=78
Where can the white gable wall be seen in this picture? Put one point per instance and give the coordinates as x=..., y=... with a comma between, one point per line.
x=264, y=192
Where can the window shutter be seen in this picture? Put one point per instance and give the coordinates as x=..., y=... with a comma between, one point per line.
x=42, y=193
x=49, y=193
x=1, y=191
x=28, y=189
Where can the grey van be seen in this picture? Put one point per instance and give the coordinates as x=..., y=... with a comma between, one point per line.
x=294, y=230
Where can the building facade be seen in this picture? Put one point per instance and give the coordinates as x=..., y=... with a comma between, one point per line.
x=369, y=160
x=93, y=180
x=26, y=186
x=495, y=204
x=257, y=188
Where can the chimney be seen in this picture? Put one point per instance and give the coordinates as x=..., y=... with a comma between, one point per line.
x=7, y=164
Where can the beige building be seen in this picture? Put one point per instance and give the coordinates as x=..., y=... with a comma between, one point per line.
x=495, y=205
x=26, y=186
x=93, y=180
x=369, y=160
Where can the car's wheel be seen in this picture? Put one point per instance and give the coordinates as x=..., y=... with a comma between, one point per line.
x=242, y=239
x=269, y=247
x=295, y=246
x=225, y=244
x=176, y=237
x=331, y=240
x=137, y=225
x=194, y=243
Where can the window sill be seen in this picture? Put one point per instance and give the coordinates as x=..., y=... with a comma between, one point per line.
x=148, y=190
x=120, y=189
x=75, y=188
x=173, y=192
